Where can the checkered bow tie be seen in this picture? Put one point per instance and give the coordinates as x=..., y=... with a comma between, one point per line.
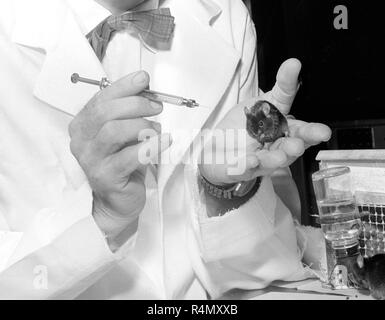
x=154, y=27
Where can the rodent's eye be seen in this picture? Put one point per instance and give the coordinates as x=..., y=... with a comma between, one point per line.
x=261, y=124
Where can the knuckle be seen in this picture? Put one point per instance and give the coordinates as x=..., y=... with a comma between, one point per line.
x=88, y=107
x=72, y=128
x=80, y=150
x=96, y=99
x=83, y=120
x=92, y=108
x=96, y=176
x=107, y=136
x=100, y=110
x=74, y=147
x=109, y=130
x=84, y=157
x=83, y=162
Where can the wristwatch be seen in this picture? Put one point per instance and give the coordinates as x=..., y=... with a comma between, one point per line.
x=237, y=190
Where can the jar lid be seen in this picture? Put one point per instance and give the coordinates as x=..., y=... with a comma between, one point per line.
x=330, y=173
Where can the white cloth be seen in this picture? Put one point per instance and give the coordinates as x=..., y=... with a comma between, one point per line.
x=178, y=252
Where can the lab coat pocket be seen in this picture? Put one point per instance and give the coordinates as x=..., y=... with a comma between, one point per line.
x=239, y=231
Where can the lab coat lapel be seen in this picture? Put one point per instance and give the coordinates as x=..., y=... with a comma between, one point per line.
x=200, y=66
x=58, y=35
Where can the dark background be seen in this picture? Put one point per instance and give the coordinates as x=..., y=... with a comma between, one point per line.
x=342, y=73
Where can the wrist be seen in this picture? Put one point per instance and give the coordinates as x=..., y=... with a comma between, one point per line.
x=115, y=228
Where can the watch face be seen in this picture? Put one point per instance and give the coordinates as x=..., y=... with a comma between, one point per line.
x=244, y=188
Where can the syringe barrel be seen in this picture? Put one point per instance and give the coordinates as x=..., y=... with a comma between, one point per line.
x=161, y=97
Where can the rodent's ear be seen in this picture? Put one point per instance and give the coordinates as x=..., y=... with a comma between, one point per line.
x=266, y=109
x=360, y=261
x=247, y=111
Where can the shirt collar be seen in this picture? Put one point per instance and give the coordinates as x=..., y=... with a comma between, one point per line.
x=89, y=13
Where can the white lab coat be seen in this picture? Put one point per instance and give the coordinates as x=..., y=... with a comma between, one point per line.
x=50, y=246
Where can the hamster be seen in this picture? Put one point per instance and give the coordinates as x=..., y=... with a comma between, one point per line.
x=265, y=122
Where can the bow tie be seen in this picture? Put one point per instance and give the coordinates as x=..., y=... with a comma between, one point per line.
x=154, y=27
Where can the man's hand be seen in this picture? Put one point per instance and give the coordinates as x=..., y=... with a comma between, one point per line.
x=105, y=141
x=280, y=154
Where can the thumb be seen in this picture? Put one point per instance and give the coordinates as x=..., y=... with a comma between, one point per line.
x=286, y=86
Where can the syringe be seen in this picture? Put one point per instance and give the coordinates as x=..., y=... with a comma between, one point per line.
x=149, y=94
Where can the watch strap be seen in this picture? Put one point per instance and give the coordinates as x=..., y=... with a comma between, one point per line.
x=237, y=190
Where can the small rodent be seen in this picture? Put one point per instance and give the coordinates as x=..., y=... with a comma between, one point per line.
x=370, y=274
x=265, y=122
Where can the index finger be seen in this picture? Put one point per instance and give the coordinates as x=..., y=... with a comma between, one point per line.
x=129, y=85
x=311, y=133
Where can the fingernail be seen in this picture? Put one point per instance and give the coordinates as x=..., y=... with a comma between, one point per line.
x=156, y=105
x=140, y=78
x=157, y=126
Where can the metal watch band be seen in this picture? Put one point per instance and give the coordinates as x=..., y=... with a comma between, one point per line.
x=229, y=192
